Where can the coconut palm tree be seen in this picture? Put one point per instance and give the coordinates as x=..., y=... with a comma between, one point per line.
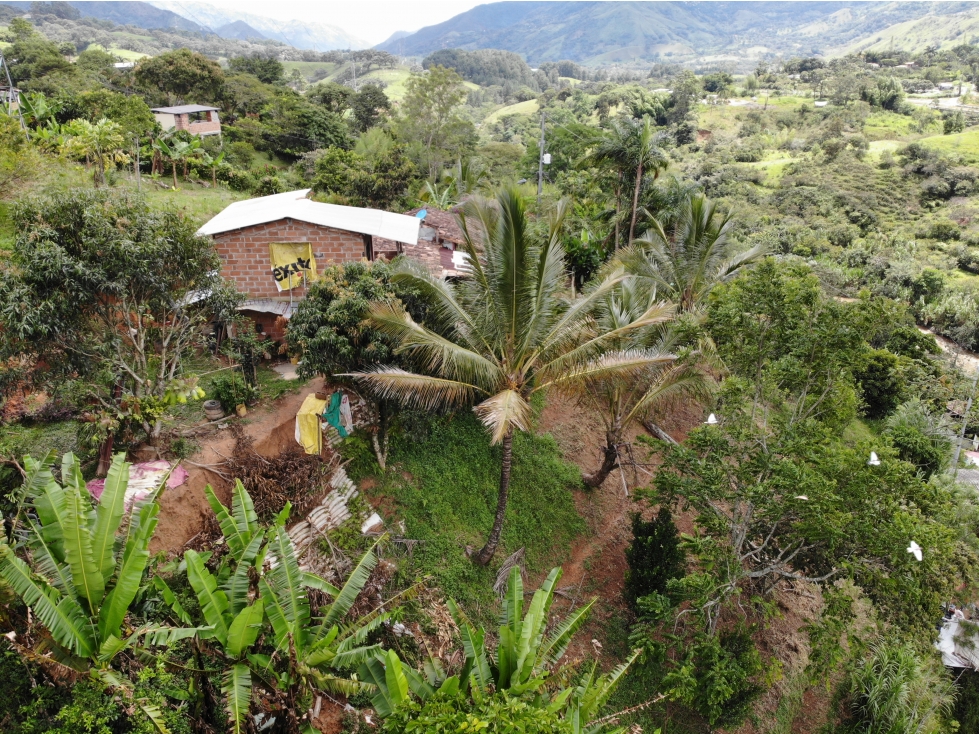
x=631, y=148
x=501, y=334
x=683, y=264
x=623, y=400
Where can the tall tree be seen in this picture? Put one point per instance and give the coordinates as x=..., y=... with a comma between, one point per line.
x=501, y=334
x=181, y=76
x=103, y=282
x=684, y=264
x=623, y=400
x=430, y=122
x=630, y=148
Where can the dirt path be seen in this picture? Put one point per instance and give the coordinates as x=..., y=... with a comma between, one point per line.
x=183, y=508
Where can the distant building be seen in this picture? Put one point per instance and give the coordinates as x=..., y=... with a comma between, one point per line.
x=194, y=118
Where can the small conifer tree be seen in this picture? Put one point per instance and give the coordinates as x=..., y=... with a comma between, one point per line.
x=654, y=557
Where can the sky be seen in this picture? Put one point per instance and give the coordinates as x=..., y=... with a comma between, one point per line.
x=372, y=20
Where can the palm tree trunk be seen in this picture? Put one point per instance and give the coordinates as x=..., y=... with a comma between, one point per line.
x=173, y=165
x=618, y=201
x=610, y=461
x=635, y=204
x=486, y=554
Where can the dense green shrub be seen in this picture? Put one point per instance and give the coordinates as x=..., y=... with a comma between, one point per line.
x=230, y=389
x=237, y=180
x=654, y=557
x=919, y=437
x=880, y=383
x=500, y=713
x=268, y=185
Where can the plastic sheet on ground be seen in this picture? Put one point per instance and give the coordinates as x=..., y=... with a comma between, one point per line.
x=959, y=646
x=143, y=479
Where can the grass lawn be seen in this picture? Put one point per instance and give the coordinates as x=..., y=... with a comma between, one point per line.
x=887, y=125
x=122, y=53
x=442, y=481
x=530, y=107
x=197, y=204
x=965, y=144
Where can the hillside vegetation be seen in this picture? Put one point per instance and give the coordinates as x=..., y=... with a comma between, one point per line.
x=678, y=453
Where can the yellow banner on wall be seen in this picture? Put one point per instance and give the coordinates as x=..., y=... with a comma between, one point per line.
x=293, y=264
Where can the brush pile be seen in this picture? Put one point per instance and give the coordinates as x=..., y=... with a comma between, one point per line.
x=292, y=476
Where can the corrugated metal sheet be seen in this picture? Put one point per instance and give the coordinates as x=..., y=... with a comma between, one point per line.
x=184, y=109
x=295, y=205
x=269, y=305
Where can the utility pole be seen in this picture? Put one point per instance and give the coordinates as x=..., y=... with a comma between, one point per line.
x=540, y=159
x=138, y=177
x=11, y=96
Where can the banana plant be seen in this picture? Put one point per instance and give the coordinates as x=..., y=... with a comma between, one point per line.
x=233, y=615
x=84, y=569
x=324, y=656
x=525, y=656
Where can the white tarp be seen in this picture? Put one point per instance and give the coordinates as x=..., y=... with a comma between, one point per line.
x=959, y=644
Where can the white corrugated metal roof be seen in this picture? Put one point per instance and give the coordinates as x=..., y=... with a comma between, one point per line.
x=184, y=109
x=295, y=205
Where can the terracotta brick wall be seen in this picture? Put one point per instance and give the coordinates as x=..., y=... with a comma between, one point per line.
x=244, y=253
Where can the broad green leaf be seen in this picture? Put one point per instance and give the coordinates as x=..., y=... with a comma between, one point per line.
x=395, y=678
x=287, y=580
x=237, y=689
x=241, y=524
x=213, y=601
x=108, y=515
x=557, y=643
x=312, y=581
x=135, y=559
x=61, y=615
x=245, y=629
x=238, y=584
x=85, y=574
x=351, y=589
x=282, y=627
x=372, y=672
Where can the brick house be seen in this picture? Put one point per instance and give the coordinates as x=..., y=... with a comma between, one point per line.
x=194, y=118
x=272, y=246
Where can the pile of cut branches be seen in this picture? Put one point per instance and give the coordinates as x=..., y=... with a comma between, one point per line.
x=292, y=476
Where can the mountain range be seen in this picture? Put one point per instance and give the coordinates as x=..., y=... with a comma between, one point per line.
x=304, y=34
x=607, y=32
x=205, y=18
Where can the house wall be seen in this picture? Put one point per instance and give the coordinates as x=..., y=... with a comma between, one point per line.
x=244, y=253
x=165, y=119
x=210, y=126
x=272, y=325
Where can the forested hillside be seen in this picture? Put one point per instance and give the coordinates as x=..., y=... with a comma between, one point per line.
x=682, y=443
x=600, y=33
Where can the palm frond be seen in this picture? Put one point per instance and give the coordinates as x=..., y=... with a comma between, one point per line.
x=503, y=412
x=419, y=391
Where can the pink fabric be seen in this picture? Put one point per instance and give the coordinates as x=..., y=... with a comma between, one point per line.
x=143, y=479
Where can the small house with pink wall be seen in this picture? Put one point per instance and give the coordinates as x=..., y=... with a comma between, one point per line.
x=194, y=118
